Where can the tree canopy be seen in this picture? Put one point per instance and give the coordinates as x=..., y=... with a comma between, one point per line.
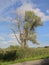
x=31, y=21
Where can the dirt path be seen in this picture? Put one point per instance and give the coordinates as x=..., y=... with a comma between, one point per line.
x=36, y=62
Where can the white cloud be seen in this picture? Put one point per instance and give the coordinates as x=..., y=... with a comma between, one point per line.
x=41, y=14
x=24, y=1
x=13, y=39
x=8, y=19
x=5, y=19
x=3, y=43
x=1, y=38
x=21, y=10
x=13, y=42
x=13, y=36
x=6, y=43
x=47, y=11
x=29, y=7
x=25, y=7
x=5, y=4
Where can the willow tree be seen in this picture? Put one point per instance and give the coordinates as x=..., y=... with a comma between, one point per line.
x=30, y=23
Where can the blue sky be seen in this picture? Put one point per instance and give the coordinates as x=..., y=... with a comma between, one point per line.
x=8, y=12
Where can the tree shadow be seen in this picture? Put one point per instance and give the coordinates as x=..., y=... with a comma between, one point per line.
x=45, y=62
x=42, y=62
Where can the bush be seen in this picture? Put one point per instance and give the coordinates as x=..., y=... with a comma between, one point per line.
x=8, y=55
x=1, y=54
x=13, y=53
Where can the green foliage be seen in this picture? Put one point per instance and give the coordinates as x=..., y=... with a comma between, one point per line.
x=31, y=22
x=7, y=55
x=19, y=54
x=26, y=28
x=46, y=46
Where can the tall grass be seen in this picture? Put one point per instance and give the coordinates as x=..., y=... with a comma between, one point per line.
x=19, y=54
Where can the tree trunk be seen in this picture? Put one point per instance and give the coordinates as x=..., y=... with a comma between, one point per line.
x=25, y=43
x=25, y=35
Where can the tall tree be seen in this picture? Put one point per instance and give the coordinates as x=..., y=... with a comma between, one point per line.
x=31, y=21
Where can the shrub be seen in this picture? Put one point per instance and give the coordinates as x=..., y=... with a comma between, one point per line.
x=13, y=53
x=9, y=55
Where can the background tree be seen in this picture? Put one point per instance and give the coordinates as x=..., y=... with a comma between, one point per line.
x=31, y=21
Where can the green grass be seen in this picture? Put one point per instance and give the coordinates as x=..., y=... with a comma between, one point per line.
x=22, y=55
x=23, y=60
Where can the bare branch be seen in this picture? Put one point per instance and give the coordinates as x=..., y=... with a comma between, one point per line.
x=16, y=36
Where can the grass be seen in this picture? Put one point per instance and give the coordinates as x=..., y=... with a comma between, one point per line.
x=30, y=54
x=23, y=60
